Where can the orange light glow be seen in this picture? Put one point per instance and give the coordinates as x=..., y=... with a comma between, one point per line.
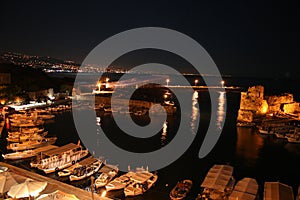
x=264, y=107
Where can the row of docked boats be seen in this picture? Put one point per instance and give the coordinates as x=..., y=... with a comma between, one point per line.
x=282, y=129
x=219, y=184
x=26, y=135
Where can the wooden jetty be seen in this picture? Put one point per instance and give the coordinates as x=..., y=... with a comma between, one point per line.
x=53, y=185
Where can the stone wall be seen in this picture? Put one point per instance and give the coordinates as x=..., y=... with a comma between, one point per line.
x=282, y=103
x=252, y=103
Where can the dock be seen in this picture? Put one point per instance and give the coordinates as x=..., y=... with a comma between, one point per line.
x=53, y=185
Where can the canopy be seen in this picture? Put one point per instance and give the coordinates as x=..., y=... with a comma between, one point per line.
x=245, y=189
x=247, y=185
x=28, y=188
x=218, y=177
x=7, y=180
x=278, y=191
x=58, y=195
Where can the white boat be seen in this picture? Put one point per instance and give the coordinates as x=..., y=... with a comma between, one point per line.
x=218, y=183
x=118, y=183
x=19, y=155
x=106, y=177
x=91, y=166
x=294, y=137
x=27, y=153
x=181, y=189
x=280, y=136
x=247, y=188
x=26, y=137
x=59, y=158
x=31, y=144
x=68, y=171
x=142, y=181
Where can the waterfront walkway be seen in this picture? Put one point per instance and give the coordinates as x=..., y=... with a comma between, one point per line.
x=54, y=185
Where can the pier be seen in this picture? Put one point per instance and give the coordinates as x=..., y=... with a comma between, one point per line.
x=53, y=185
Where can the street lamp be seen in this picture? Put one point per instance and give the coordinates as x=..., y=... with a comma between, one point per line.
x=99, y=85
x=107, y=84
x=222, y=83
x=167, y=80
x=196, y=81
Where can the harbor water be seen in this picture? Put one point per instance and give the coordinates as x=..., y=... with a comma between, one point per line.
x=251, y=154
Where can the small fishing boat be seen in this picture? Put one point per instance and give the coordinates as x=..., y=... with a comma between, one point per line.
x=91, y=166
x=19, y=155
x=181, y=189
x=247, y=188
x=31, y=144
x=218, y=183
x=106, y=177
x=26, y=137
x=142, y=181
x=118, y=183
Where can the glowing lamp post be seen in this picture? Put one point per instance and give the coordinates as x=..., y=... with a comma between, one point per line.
x=222, y=83
x=196, y=82
x=167, y=80
x=107, y=84
x=99, y=85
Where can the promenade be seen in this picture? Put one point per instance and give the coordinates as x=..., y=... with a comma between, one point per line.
x=53, y=185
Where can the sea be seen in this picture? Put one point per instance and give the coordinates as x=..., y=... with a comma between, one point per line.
x=251, y=154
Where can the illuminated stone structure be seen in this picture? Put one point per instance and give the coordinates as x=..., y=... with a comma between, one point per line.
x=252, y=104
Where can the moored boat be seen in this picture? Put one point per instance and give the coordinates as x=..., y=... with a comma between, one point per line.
x=106, y=177
x=247, y=188
x=24, y=137
x=142, y=181
x=218, y=183
x=181, y=189
x=59, y=158
x=118, y=183
x=19, y=155
x=278, y=191
x=91, y=166
x=31, y=144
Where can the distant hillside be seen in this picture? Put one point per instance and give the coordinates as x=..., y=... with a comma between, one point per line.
x=27, y=78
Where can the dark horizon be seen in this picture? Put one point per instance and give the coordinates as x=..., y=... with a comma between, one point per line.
x=253, y=39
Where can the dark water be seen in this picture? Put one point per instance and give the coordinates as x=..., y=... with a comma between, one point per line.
x=263, y=158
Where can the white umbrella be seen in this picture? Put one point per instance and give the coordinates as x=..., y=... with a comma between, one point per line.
x=7, y=180
x=29, y=188
x=58, y=195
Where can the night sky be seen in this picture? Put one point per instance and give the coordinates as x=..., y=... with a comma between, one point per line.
x=253, y=38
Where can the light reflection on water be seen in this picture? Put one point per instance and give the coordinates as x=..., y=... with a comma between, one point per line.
x=195, y=113
x=221, y=110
